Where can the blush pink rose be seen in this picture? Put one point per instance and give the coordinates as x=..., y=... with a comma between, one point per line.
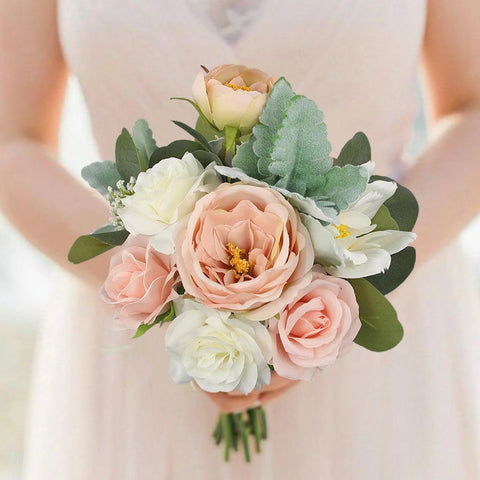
x=140, y=283
x=319, y=325
x=244, y=250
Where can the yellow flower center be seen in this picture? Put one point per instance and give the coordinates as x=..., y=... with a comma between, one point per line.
x=236, y=87
x=237, y=258
x=342, y=231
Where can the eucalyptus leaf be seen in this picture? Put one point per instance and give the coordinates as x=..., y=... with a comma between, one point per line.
x=143, y=139
x=403, y=205
x=383, y=220
x=400, y=268
x=114, y=236
x=127, y=159
x=356, y=151
x=380, y=328
x=168, y=316
x=196, y=135
x=86, y=247
x=176, y=149
x=101, y=175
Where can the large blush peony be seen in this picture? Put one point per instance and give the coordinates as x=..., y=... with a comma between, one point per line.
x=219, y=351
x=315, y=328
x=140, y=282
x=246, y=250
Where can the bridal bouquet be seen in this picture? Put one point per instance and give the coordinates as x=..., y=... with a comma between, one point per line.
x=259, y=250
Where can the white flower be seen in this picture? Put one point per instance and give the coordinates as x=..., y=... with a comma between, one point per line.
x=164, y=197
x=351, y=248
x=218, y=350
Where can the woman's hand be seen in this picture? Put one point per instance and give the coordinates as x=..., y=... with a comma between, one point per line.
x=237, y=402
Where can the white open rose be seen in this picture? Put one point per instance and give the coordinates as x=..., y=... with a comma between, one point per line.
x=218, y=350
x=164, y=197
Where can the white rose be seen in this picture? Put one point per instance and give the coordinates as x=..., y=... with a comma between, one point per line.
x=218, y=350
x=164, y=197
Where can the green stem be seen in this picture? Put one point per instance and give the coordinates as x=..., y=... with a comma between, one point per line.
x=253, y=415
x=227, y=435
x=263, y=423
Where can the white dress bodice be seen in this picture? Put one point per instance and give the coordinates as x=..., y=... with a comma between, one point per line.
x=358, y=60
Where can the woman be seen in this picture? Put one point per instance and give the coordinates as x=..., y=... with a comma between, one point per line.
x=104, y=406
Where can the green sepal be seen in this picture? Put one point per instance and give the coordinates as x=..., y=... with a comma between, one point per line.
x=403, y=205
x=101, y=175
x=400, y=268
x=127, y=158
x=196, y=135
x=380, y=328
x=204, y=127
x=383, y=220
x=165, y=317
x=87, y=247
x=356, y=151
x=176, y=149
x=230, y=134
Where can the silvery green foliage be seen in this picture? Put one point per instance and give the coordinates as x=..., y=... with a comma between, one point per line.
x=289, y=150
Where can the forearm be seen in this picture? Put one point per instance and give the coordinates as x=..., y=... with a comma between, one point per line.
x=446, y=182
x=48, y=206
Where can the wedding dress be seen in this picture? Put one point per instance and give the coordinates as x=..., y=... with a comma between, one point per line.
x=104, y=406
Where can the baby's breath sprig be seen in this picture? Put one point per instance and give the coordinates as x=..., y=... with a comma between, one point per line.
x=115, y=198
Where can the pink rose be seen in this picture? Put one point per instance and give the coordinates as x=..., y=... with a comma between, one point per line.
x=140, y=282
x=319, y=325
x=244, y=249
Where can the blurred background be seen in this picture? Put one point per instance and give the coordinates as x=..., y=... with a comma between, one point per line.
x=20, y=323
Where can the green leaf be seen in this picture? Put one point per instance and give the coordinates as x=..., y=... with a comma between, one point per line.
x=127, y=159
x=270, y=121
x=403, y=205
x=101, y=240
x=301, y=149
x=144, y=141
x=176, y=149
x=246, y=159
x=168, y=316
x=400, y=268
x=206, y=158
x=101, y=175
x=86, y=247
x=196, y=135
x=111, y=235
x=383, y=220
x=216, y=146
x=343, y=185
x=380, y=329
x=356, y=151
